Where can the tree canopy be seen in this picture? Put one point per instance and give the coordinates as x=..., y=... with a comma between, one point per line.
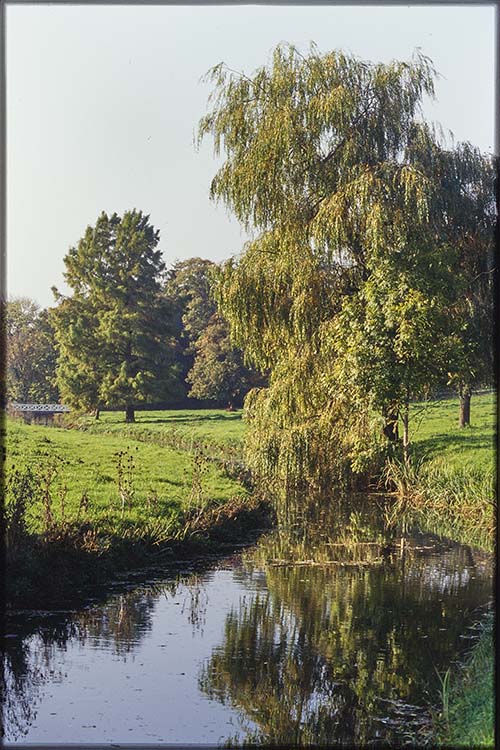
x=218, y=372
x=114, y=332
x=210, y=362
x=31, y=353
x=343, y=291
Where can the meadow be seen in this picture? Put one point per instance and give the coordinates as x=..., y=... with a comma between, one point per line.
x=437, y=436
x=167, y=461
x=119, y=478
x=218, y=426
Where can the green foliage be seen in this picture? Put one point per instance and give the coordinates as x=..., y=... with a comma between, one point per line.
x=188, y=285
x=211, y=363
x=31, y=353
x=319, y=160
x=218, y=372
x=348, y=292
x=114, y=332
x=469, y=719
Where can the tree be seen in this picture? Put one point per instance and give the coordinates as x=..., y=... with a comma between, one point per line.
x=426, y=313
x=391, y=342
x=320, y=164
x=212, y=364
x=218, y=371
x=188, y=290
x=468, y=196
x=31, y=353
x=114, y=332
x=189, y=282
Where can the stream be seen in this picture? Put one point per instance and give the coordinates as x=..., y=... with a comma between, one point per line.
x=331, y=636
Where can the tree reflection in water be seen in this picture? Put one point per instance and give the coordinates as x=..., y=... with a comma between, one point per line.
x=346, y=654
x=118, y=625
x=335, y=639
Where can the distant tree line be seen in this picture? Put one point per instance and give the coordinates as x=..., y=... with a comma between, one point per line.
x=129, y=333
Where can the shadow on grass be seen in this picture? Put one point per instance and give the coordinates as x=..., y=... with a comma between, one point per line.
x=459, y=443
x=186, y=419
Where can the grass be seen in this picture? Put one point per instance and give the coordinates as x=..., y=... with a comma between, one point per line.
x=436, y=433
x=450, y=490
x=173, y=465
x=85, y=463
x=466, y=720
x=84, y=503
x=215, y=425
x=448, y=486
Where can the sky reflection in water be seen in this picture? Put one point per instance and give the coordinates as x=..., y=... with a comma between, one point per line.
x=257, y=649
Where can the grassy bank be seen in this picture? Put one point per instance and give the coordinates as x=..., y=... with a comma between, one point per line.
x=86, y=502
x=449, y=489
x=467, y=716
x=121, y=478
x=106, y=495
x=448, y=486
x=220, y=428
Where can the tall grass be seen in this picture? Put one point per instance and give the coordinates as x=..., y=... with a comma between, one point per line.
x=458, y=502
x=466, y=716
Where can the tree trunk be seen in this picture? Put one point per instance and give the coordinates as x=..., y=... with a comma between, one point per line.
x=390, y=428
x=129, y=414
x=406, y=434
x=464, y=419
x=97, y=413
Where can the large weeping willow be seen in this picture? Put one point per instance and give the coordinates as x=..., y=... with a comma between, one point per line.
x=323, y=165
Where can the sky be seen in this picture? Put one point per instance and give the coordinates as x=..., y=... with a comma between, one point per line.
x=103, y=104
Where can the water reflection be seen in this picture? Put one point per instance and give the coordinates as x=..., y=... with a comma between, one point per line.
x=338, y=651
x=39, y=640
x=325, y=636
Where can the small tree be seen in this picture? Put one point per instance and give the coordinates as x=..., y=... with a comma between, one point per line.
x=115, y=331
x=468, y=190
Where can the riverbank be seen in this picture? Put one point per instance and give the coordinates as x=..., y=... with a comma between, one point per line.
x=467, y=715
x=448, y=489
x=82, y=506
x=105, y=496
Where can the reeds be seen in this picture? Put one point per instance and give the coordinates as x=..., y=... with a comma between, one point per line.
x=456, y=502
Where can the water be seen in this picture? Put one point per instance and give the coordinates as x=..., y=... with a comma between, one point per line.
x=263, y=646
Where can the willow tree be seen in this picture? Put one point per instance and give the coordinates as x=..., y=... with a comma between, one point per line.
x=319, y=168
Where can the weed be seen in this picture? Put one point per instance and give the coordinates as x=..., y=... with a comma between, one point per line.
x=21, y=490
x=125, y=467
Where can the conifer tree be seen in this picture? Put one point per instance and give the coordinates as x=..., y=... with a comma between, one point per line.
x=114, y=331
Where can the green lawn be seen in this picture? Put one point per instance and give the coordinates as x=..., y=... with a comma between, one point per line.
x=215, y=425
x=436, y=433
x=171, y=479
x=163, y=445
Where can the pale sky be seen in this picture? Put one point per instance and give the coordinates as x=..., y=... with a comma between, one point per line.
x=103, y=102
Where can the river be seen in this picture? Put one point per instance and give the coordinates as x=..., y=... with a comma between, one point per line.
x=334, y=636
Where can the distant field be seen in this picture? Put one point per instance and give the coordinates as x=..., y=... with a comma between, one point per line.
x=163, y=480
x=437, y=434
x=434, y=428
x=216, y=425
